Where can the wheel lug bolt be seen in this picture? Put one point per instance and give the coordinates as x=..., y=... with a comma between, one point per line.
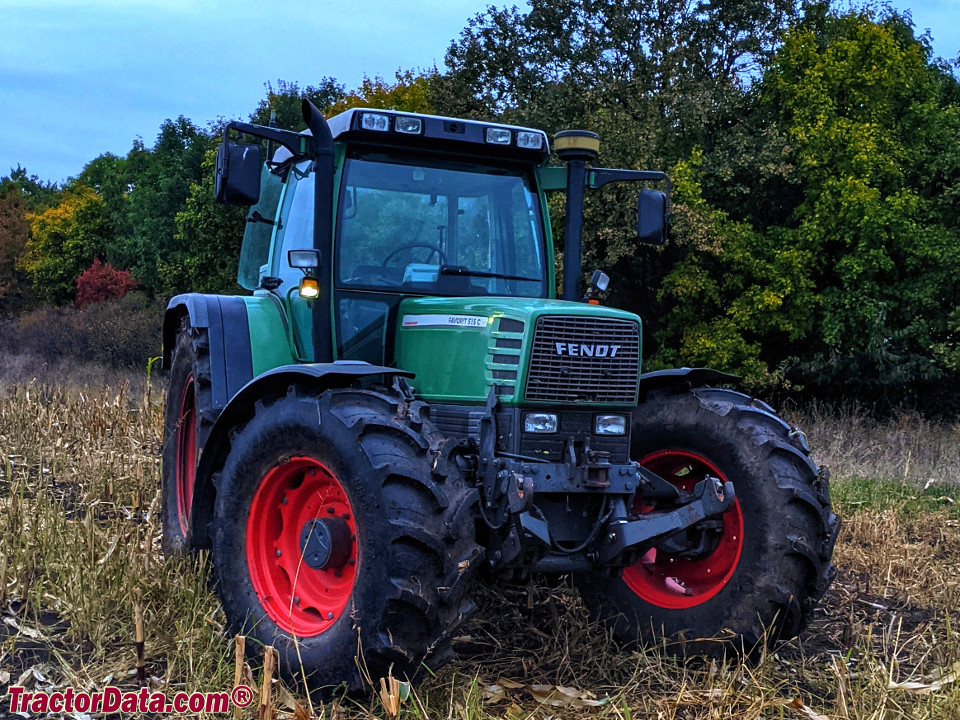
x=331, y=511
x=279, y=553
x=296, y=600
x=329, y=616
x=346, y=516
x=284, y=501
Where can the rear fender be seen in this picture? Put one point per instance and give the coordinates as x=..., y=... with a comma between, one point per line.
x=225, y=319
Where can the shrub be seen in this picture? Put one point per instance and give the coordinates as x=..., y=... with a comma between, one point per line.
x=102, y=282
x=118, y=333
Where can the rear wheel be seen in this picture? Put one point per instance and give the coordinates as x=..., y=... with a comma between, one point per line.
x=766, y=561
x=343, y=537
x=186, y=419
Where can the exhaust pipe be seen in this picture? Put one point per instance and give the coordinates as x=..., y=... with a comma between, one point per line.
x=322, y=226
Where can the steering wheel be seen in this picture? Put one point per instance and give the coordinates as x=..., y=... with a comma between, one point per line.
x=432, y=248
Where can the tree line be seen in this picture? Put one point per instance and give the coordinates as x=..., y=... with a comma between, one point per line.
x=814, y=154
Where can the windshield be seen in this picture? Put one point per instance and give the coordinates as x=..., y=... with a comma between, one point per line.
x=441, y=229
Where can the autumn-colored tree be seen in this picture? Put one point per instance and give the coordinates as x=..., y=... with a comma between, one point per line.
x=64, y=240
x=14, y=233
x=283, y=102
x=410, y=93
x=102, y=281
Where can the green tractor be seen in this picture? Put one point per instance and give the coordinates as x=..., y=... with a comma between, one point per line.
x=403, y=407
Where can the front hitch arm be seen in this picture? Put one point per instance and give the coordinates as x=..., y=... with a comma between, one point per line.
x=711, y=498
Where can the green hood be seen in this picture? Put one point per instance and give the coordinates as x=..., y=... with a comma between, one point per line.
x=460, y=347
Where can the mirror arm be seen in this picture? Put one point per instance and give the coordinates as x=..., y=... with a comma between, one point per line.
x=299, y=145
x=598, y=177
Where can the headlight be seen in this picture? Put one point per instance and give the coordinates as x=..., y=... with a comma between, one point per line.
x=540, y=423
x=529, y=140
x=610, y=425
x=375, y=121
x=408, y=125
x=498, y=136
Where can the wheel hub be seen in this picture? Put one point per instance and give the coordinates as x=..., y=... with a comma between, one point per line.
x=676, y=576
x=325, y=543
x=302, y=552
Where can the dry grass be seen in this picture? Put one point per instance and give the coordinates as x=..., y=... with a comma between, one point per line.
x=79, y=551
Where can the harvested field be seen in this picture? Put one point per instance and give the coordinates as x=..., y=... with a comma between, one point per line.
x=80, y=558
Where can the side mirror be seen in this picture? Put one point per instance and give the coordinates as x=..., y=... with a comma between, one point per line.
x=238, y=174
x=652, y=219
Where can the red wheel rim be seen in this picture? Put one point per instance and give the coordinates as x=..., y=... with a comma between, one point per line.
x=298, y=598
x=685, y=583
x=186, y=454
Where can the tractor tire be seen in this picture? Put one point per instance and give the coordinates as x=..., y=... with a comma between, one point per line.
x=186, y=423
x=388, y=584
x=770, y=564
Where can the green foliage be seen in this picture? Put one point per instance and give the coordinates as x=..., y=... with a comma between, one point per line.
x=207, y=241
x=735, y=293
x=37, y=194
x=873, y=141
x=160, y=180
x=843, y=269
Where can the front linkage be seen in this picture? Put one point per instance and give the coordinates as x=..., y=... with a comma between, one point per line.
x=523, y=537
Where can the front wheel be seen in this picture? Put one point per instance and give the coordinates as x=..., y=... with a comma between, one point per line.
x=767, y=559
x=343, y=537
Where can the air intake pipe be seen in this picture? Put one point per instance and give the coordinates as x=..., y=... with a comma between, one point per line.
x=576, y=148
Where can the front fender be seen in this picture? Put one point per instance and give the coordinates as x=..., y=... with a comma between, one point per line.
x=240, y=408
x=683, y=379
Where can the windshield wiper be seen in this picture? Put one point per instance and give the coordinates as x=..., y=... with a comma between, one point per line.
x=467, y=272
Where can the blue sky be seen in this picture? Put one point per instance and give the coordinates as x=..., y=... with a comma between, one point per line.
x=82, y=77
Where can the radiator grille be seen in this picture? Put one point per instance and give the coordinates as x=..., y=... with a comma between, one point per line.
x=584, y=359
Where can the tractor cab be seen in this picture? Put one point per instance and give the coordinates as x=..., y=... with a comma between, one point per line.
x=419, y=206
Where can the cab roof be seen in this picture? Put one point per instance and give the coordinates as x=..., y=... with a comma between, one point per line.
x=391, y=128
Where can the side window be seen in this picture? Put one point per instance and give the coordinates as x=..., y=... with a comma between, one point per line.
x=257, y=235
x=296, y=230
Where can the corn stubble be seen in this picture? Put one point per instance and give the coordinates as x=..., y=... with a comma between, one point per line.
x=80, y=562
